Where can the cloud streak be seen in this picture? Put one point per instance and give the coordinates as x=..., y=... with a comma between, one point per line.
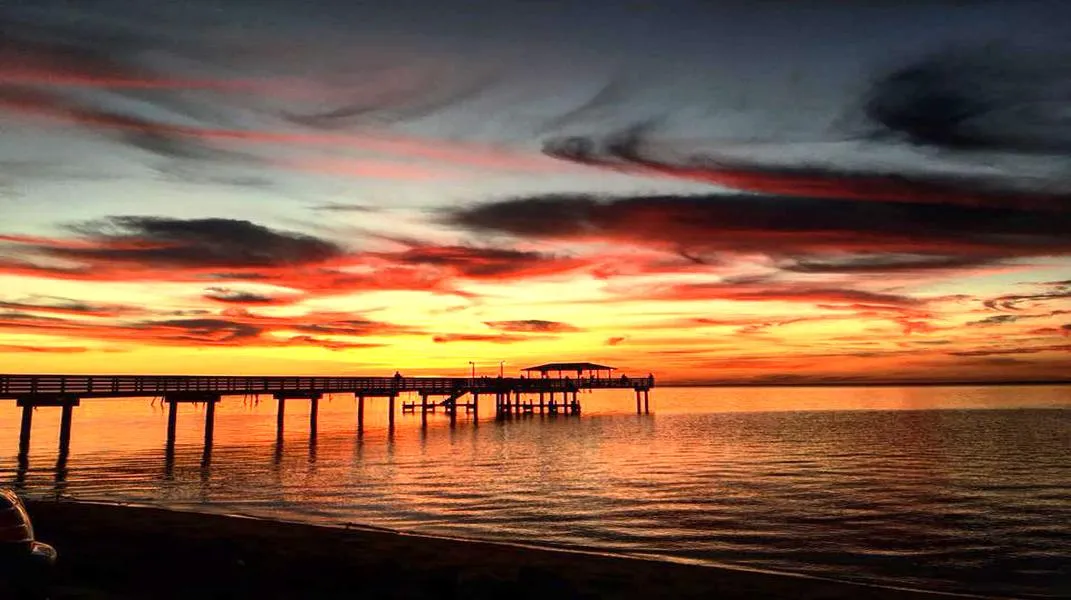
x=532, y=326
x=974, y=101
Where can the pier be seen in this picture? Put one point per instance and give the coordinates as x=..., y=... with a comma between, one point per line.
x=551, y=388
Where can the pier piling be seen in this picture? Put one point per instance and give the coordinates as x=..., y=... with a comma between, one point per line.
x=172, y=423
x=66, y=391
x=210, y=422
x=65, y=429
x=24, y=431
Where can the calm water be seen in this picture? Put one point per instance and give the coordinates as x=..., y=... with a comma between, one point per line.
x=958, y=489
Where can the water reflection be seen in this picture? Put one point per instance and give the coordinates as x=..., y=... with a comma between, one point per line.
x=978, y=495
x=169, y=462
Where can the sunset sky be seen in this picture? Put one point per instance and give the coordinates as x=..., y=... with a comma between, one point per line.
x=714, y=190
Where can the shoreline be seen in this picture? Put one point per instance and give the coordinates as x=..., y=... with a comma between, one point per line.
x=112, y=552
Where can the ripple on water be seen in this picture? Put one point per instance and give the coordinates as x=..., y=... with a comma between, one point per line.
x=956, y=500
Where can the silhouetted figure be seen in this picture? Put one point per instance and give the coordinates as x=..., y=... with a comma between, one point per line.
x=650, y=380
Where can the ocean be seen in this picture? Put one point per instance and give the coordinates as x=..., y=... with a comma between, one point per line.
x=956, y=489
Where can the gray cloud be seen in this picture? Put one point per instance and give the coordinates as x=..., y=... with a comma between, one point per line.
x=208, y=243
x=984, y=100
x=532, y=326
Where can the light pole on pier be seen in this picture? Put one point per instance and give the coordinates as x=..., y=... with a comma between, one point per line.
x=473, y=371
x=500, y=365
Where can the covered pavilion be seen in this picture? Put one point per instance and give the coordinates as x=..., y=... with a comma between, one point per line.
x=580, y=368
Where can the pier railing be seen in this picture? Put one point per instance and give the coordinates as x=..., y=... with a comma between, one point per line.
x=103, y=386
x=67, y=391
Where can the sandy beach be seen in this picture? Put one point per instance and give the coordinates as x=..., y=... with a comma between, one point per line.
x=119, y=552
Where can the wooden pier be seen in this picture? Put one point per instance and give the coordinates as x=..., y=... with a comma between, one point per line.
x=513, y=395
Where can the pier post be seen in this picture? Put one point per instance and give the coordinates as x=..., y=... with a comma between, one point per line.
x=647, y=402
x=475, y=404
x=65, y=429
x=638, y=402
x=360, y=412
x=279, y=416
x=390, y=411
x=24, y=431
x=314, y=410
x=542, y=403
x=210, y=421
x=172, y=422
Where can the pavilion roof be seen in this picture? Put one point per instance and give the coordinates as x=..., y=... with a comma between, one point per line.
x=569, y=366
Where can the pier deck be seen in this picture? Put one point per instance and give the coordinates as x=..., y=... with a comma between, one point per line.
x=513, y=395
x=125, y=386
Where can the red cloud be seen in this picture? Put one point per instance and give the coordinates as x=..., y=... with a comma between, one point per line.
x=44, y=349
x=229, y=252
x=625, y=152
x=500, y=338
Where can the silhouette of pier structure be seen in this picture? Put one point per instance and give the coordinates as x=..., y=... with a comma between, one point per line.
x=552, y=388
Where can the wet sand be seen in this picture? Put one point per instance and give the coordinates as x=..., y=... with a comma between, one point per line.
x=113, y=552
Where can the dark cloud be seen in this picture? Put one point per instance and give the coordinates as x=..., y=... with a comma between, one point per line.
x=1058, y=290
x=195, y=243
x=994, y=320
x=780, y=293
x=633, y=151
x=231, y=296
x=532, y=326
x=202, y=330
x=233, y=327
x=889, y=263
x=986, y=100
x=872, y=236
x=52, y=304
x=485, y=262
x=16, y=319
x=502, y=338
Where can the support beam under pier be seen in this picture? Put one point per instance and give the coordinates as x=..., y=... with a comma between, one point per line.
x=29, y=403
x=65, y=429
x=24, y=431
x=174, y=398
x=314, y=409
